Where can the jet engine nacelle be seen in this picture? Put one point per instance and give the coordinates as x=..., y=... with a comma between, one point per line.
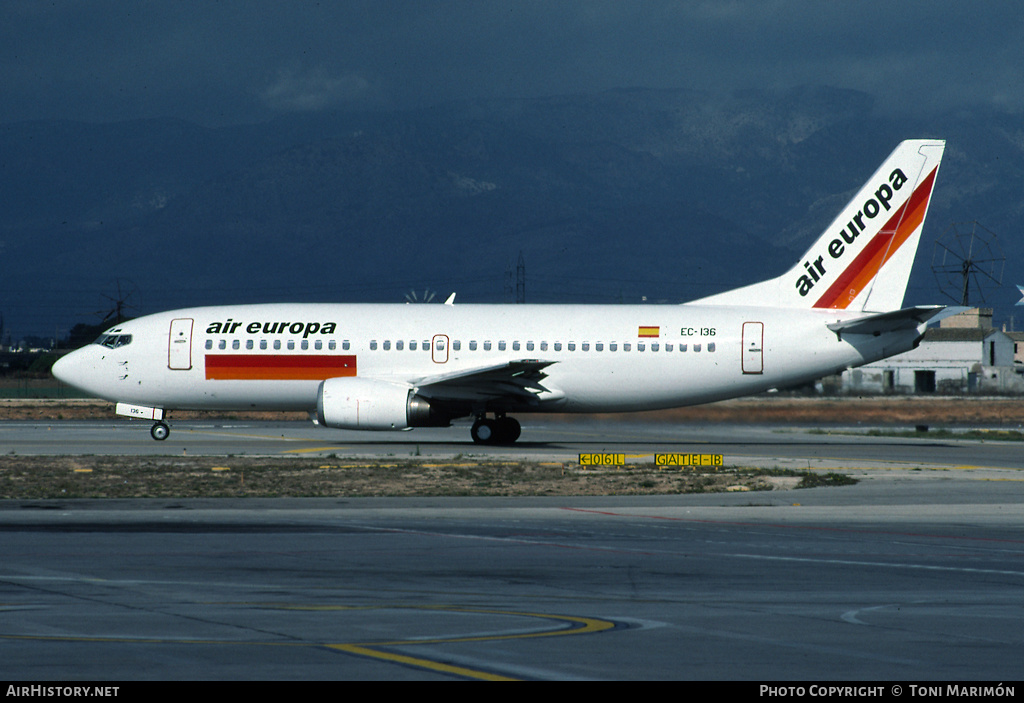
x=369, y=404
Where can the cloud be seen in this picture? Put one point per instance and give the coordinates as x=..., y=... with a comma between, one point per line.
x=294, y=90
x=240, y=60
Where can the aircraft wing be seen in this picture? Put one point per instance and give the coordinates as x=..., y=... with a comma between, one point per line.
x=905, y=319
x=515, y=380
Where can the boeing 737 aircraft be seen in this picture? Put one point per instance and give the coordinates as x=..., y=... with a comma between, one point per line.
x=394, y=367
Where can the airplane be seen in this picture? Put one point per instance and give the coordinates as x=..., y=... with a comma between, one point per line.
x=400, y=366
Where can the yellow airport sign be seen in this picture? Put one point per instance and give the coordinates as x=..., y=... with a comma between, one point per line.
x=602, y=459
x=714, y=460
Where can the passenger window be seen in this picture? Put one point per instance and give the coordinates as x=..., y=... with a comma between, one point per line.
x=487, y=345
x=236, y=344
x=387, y=345
x=572, y=346
x=529, y=346
x=263, y=344
x=612, y=346
x=711, y=346
x=456, y=345
x=291, y=344
x=696, y=347
x=209, y=344
x=682, y=347
x=373, y=345
x=586, y=346
x=640, y=346
x=543, y=346
x=515, y=346
x=472, y=345
x=501, y=345
x=598, y=346
x=558, y=346
x=222, y=344
x=626, y=346
x=249, y=344
x=304, y=344
x=668, y=347
x=277, y=344
x=412, y=345
x=654, y=346
x=399, y=345
x=318, y=344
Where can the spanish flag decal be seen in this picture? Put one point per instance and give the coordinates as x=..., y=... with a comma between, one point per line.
x=648, y=331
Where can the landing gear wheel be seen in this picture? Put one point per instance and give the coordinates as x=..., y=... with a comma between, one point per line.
x=501, y=430
x=159, y=431
x=483, y=431
x=509, y=430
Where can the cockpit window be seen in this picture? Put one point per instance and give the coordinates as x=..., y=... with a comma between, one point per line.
x=113, y=341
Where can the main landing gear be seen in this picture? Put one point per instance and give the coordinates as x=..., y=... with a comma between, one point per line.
x=500, y=430
x=159, y=431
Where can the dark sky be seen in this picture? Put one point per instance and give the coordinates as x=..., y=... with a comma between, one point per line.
x=225, y=62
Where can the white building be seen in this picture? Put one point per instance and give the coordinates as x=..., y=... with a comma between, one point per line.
x=964, y=354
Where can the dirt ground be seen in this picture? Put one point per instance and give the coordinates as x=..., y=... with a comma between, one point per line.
x=58, y=478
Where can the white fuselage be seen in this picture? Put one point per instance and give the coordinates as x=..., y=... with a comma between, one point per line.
x=602, y=358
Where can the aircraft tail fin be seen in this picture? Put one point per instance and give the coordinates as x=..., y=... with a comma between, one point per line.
x=862, y=261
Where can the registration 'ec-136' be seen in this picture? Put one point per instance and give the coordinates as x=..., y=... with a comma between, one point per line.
x=394, y=367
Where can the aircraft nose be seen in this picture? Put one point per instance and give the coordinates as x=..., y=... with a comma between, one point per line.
x=70, y=369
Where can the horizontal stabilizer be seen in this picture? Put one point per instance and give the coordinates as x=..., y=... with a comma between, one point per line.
x=905, y=319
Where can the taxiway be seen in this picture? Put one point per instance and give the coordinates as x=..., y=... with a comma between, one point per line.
x=914, y=574
x=543, y=440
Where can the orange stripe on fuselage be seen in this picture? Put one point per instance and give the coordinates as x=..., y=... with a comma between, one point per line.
x=863, y=269
x=278, y=367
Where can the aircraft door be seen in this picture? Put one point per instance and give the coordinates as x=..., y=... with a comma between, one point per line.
x=753, y=347
x=439, y=348
x=179, y=345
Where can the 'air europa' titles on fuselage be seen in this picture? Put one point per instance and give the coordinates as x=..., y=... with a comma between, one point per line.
x=230, y=326
x=848, y=234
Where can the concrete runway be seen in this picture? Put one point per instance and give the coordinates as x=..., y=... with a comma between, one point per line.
x=914, y=574
x=543, y=440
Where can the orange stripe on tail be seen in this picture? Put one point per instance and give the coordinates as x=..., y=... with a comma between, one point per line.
x=863, y=269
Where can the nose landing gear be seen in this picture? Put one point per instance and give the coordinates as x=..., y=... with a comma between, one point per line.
x=159, y=431
x=500, y=430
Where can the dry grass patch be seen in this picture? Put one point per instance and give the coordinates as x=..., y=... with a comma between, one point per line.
x=214, y=477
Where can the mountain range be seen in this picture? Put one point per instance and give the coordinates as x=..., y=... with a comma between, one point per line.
x=621, y=196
